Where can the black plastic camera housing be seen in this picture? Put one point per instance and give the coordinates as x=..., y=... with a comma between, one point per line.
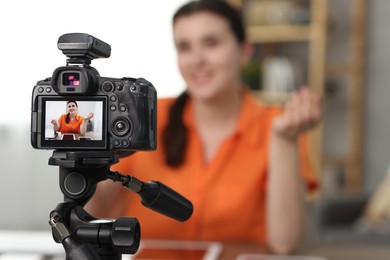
x=125, y=109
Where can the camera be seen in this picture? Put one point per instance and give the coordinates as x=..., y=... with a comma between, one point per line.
x=90, y=122
x=113, y=114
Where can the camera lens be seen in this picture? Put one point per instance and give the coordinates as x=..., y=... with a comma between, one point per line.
x=121, y=126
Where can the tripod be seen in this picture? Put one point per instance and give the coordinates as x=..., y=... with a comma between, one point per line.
x=86, y=237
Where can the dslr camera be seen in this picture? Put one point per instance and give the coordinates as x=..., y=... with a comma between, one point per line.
x=123, y=110
x=90, y=122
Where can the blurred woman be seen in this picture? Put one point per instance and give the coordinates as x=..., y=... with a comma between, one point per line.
x=71, y=122
x=242, y=164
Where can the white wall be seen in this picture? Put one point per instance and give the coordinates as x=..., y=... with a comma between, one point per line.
x=140, y=36
x=139, y=33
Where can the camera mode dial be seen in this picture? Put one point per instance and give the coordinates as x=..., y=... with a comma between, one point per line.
x=121, y=126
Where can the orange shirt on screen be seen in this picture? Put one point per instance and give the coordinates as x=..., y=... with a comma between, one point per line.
x=72, y=127
x=228, y=192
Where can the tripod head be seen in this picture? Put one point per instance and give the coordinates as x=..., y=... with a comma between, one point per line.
x=86, y=237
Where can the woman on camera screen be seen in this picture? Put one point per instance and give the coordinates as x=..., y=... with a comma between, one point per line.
x=244, y=165
x=71, y=122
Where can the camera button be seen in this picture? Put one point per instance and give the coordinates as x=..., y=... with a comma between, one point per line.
x=113, y=108
x=116, y=142
x=40, y=89
x=119, y=87
x=122, y=108
x=133, y=88
x=48, y=90
x=121, y=126
x=107, y=86
x=113, y=98
x=125, y=143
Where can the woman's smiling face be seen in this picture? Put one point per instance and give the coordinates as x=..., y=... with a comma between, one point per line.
x=71, y=108
x=209, y=55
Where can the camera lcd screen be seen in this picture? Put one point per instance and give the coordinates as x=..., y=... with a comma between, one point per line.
x=73, y=122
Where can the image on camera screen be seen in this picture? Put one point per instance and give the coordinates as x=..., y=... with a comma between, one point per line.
x=69, y=137
x=77, y=124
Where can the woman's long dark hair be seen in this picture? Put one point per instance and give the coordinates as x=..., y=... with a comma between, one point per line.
x=175, y=133
x=67, y=119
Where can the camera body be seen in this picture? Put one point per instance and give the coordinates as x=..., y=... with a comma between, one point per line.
x=124, y=110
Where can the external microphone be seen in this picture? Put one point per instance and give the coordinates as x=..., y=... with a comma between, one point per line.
x=157, y=196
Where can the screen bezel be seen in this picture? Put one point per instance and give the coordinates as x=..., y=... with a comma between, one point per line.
x=72, y=144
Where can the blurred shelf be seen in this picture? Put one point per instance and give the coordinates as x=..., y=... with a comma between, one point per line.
x=315, y=34
x=278, y=33
x=334, y=161
x=338, y=69
x=271, y=97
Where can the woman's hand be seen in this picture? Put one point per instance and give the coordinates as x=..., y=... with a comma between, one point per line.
x=56, y=125
x=83, y=126
x=90, y=115
x=285, y=194
x=302, y=112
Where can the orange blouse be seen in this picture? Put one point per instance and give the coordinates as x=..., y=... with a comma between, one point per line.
x=72, y=127
x=228, y=193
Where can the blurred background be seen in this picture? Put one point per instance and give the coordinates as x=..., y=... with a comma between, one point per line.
x=338, y=48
